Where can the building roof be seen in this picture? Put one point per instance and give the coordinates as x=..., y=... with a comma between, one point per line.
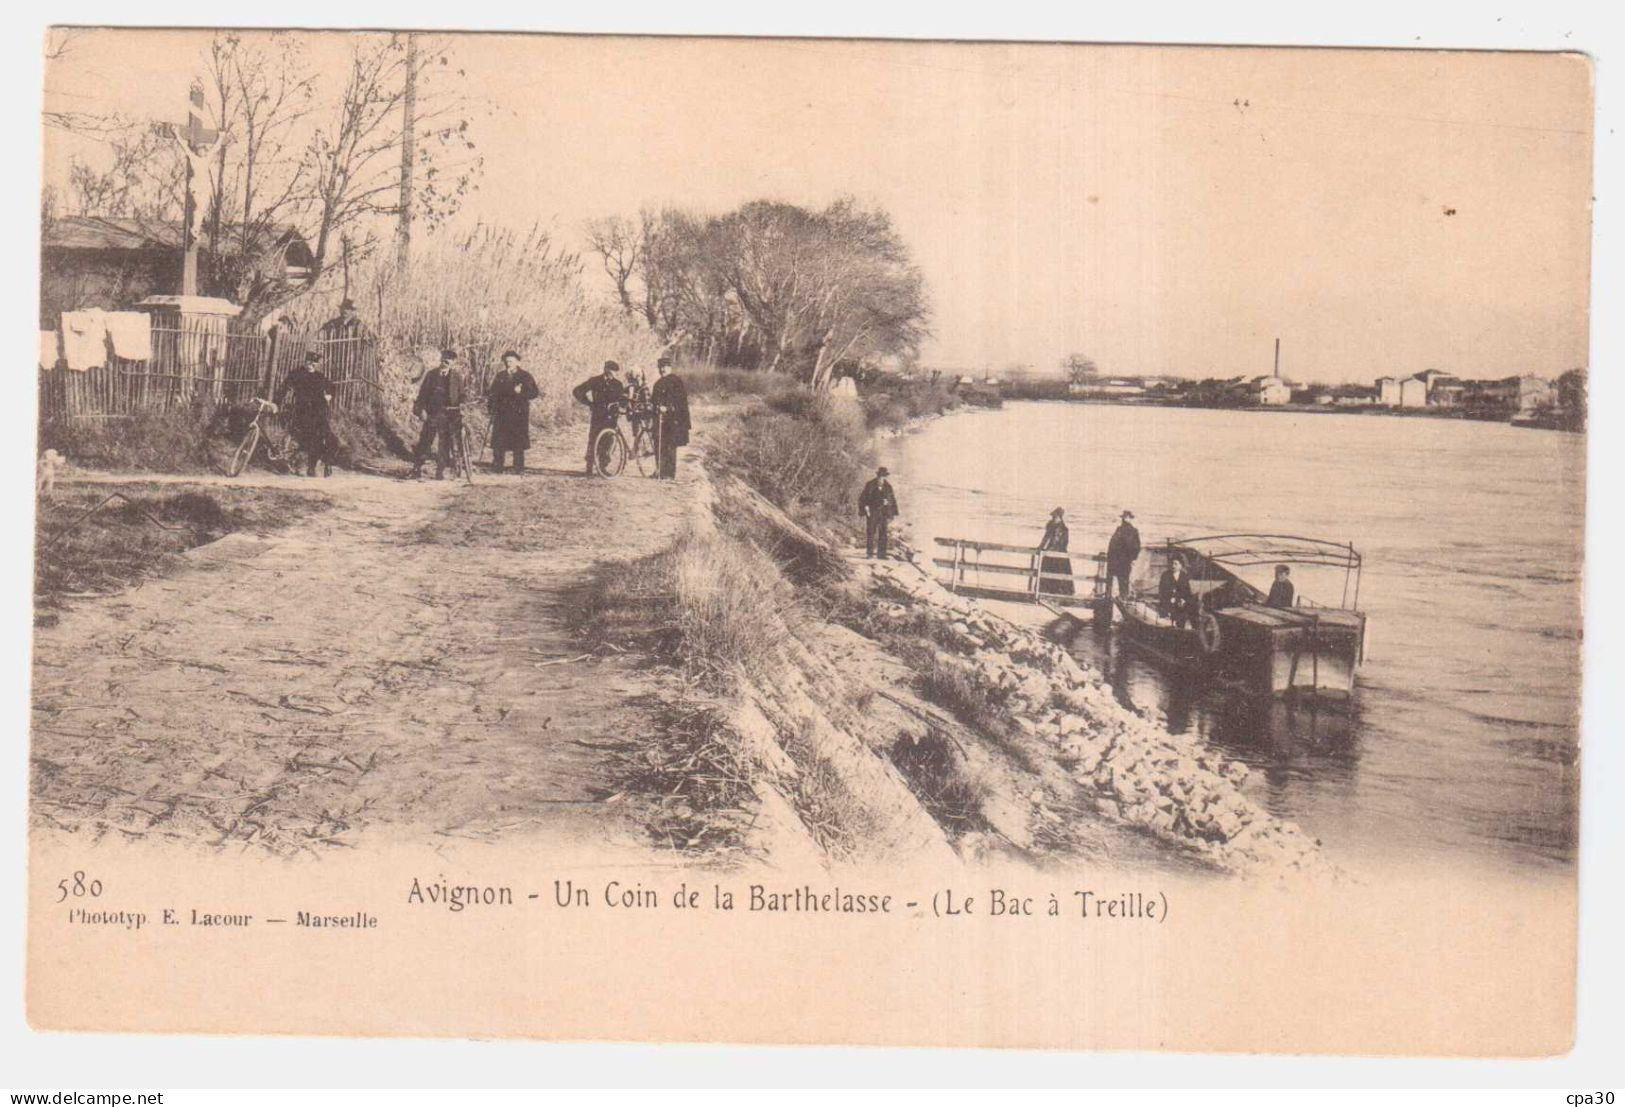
x=95, y=232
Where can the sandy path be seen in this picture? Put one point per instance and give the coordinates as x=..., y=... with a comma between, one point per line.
x=370, y=672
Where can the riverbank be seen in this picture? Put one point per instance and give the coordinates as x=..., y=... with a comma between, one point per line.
x=705, y=671
x=882, y=718
x=1557, y=421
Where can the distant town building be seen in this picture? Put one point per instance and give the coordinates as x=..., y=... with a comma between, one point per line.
x=1387, y=389
x=1445, y=391
x=1272, y=391
x=1535, y=392
x=1354, y=395
x=1413, y=392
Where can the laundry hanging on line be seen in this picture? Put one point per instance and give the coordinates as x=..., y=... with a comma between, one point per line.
x=84, y=339
x=50, y=349
x=131, y=332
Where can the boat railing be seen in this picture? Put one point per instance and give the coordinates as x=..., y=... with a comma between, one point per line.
x=970, y=559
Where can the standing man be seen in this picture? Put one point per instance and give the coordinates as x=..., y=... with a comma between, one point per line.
x=308, y=392
x=346, y=324
x=1121, y=553
x=342, y=338
x=670, y=397
x=439, y=405
x=1281, y=592
x=601, y=394
x=878, y=506
x=512, y=390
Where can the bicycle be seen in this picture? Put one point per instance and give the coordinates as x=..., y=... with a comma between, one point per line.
x=277, y=457
x=462, y=453
x=610, y=449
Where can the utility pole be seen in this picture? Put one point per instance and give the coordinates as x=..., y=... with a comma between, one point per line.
x=409, y=106
x=1277, y=358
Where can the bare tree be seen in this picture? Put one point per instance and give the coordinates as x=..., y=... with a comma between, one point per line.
x=351, y=157
x=1080, y=368
x=619, y=246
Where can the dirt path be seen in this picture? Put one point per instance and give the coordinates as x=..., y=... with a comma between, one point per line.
x=376, y=672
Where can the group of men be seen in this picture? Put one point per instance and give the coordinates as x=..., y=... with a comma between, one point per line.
x=508, y=398
x=307, y=393
x=607, y=397
x=1176, y=600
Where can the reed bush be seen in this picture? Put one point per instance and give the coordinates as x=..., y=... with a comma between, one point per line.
x=486, y=292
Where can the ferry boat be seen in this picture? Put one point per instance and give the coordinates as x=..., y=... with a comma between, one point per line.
x=1229, y=633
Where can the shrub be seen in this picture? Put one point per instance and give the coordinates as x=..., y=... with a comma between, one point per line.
x=804, y=452
x=180, y=440
x=710, y=605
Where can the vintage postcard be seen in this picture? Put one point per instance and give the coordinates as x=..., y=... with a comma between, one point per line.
x=809, y=541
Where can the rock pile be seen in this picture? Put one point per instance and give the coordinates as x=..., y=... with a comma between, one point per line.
x=1172, y=786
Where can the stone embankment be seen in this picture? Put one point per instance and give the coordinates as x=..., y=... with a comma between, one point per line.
x=1139, y=775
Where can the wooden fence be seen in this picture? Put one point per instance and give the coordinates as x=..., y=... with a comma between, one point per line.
x=193, y=365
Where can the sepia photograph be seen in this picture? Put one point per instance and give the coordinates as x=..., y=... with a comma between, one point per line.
x=950, y=528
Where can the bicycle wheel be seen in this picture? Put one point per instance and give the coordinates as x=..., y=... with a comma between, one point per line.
x=643, y=452
x=609, y=452
x=245, y=452
x=465, y=460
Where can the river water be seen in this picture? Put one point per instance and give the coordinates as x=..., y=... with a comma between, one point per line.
x=1460, y=744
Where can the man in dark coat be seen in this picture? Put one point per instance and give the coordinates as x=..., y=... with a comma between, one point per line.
x=307, y=392
x=878, y=506
x=1175, y=600
x=509, y=397
x=439, y=405
x=601, y=394
x=1121, y=553
x=670, y=397
x=1281, y=592
x=345, y=339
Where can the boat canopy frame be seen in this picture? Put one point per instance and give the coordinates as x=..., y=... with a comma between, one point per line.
x=1241, y=551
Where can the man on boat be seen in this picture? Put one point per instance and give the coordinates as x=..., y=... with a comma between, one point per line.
x=1174, y=598
x=1281, y=592
x=878, y=506
x=1121, y=553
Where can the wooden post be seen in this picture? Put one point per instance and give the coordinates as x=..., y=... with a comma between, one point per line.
x=409, y=103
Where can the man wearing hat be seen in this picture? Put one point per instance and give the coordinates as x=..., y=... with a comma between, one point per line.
x=346, y=324
x=670, y=397
x=878, y=506
x=342, y=338
x=600, y=394
x=512, y=390
x=307, y=392
x=1121, y=553
x=440, y=406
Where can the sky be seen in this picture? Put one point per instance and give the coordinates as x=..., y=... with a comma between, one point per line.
x=1164, y=210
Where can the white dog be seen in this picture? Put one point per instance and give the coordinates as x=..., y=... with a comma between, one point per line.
x=50, y=463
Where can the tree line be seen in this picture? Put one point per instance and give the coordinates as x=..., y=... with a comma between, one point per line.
x=770, y=285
